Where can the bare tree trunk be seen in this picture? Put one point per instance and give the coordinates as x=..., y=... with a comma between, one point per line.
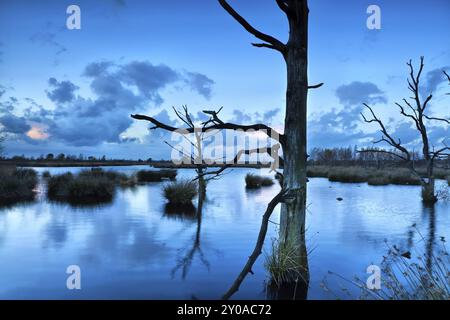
x=428, y=192
x=292, y=220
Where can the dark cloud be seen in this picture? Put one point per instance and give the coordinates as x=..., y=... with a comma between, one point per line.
x=119, y=90
x=269, y=115
x=148, y=78
x=433, y=79
x=63, y=91
x=336, y=128
x=358, y=92
x=200, y=83
x=96, y=69
x=9, y=104
x=240, y=117
x=13, y=124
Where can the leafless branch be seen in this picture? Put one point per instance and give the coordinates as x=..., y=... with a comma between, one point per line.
x=285, y=8
x=386, y=136
x=316, y=86
x=437, y=119
x=275, y=43
x=279, y=198
x=216, y=124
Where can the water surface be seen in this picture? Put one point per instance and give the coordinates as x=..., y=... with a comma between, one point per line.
x=132, y=248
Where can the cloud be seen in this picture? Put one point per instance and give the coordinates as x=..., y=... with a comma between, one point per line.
x=9, y=104
x=240, y=117
x=13, y=124
x=336, y=128
x=48, y=39
x=118, y=91
x=63, y=91
x=270, y=114
x=148, y=78
x=200, y=83
x=2, y=90
x=433, y=79
x=359, y=92
x=96, y=69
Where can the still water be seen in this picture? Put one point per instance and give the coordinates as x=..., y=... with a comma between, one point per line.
x=132, y=249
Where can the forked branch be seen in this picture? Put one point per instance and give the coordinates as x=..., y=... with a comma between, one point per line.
x=270, y=42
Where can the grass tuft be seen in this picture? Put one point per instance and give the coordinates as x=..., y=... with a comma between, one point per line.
x=17, y=185
x=180, y=192
x=347, y=174
x=253, y=181
x=156, y=175
x=281, y=263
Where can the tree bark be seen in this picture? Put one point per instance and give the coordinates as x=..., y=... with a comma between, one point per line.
x=428, y=194
x=292, y=219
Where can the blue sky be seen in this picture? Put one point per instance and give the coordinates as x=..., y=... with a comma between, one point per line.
x=72, y=91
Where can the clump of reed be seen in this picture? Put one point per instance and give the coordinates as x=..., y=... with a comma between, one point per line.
x=403, y=177
x=282, y=263
x=318, y=171
x=398, y=176
x=348, y=174
x=180, y=192
x=156, y=175
x=253, y=181
x=81, y=187
x=46, y=174
x=380, y=180
x=17, y=185
x=117, y=178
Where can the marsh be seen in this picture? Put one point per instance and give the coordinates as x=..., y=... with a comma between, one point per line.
x=133, y=248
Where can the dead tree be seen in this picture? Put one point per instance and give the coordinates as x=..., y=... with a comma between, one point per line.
x=293, y=141
x=295, y=54
x=212, y=124
x=414, y=109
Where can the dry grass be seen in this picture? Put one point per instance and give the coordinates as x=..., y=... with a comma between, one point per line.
x=282, y=263
x=348, y=174
x=407, y=276
x=82, y=187
x=180, y=192
x=17, y=185
x=378, y=181
x=253, y=181
x=373, y=176
x=156, y=175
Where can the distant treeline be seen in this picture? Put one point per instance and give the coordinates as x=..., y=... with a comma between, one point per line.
x=63, y=160
x=342, y=156
x=363, y=157
x=64, y=157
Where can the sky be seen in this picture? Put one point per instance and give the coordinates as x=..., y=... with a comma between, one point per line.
x=72, y=91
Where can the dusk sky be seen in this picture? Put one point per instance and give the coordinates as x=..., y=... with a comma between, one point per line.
x=73, y=91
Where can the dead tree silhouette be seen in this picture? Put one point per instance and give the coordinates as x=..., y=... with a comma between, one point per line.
x=416, y=110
